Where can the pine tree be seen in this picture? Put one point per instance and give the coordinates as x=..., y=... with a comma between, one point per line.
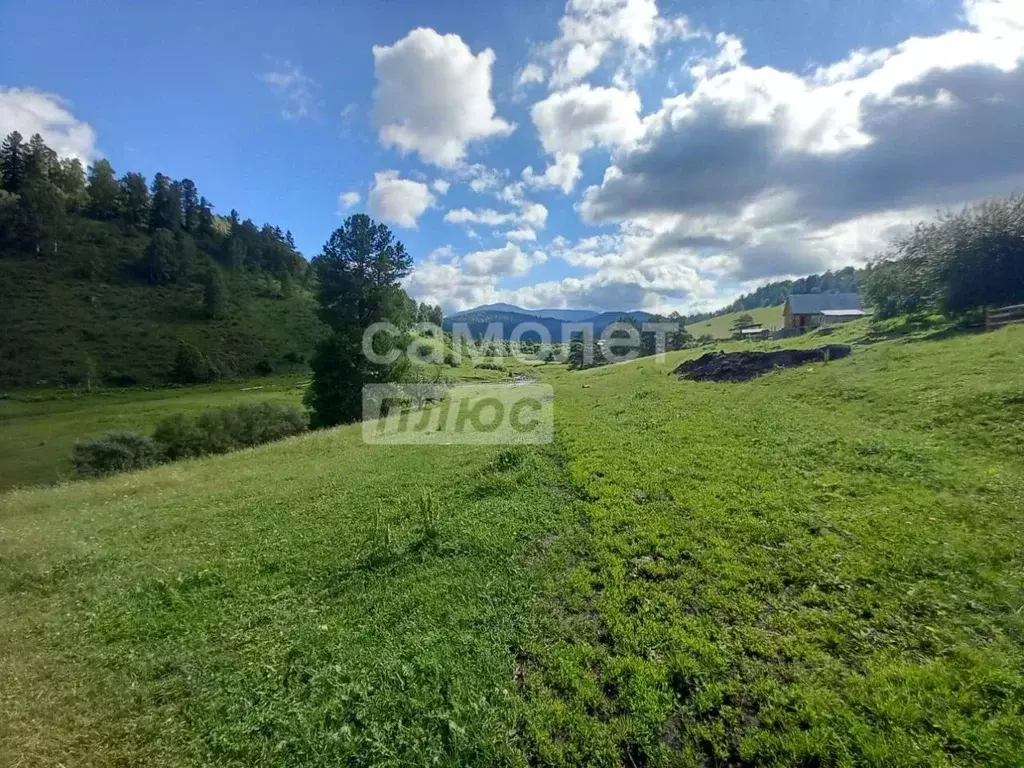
x=189, y=205
x=135, y=199
x=12, y=161
x=206, y=220
x=359, y=272
x=40, y=160
x=104, y=193
x=165, y=208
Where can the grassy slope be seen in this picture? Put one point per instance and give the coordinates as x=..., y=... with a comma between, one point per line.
x=39, y=429
x=66, y=319
x=721, y=327
x=818, y=567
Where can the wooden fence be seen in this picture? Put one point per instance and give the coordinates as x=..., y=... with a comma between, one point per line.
x=997, y=318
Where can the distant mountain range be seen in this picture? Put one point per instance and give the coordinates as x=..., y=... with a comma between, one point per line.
x=509, y=316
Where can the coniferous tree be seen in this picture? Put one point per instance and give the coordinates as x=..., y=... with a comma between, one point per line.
x=236, y=254
x=165, y=205
x=359, y=272
x=104, y=193
x=12, y=161
x=135, y=199
x=40, y=160
x=359, y=269
x=160, y=263
x=189, y=205
x=207, y=224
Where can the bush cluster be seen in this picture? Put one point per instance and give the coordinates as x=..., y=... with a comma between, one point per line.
x=215, y=430
x=114, y=452
x=220, y=430
x=959, y=263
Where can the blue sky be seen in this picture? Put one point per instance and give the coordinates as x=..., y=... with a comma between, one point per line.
x=680, y=152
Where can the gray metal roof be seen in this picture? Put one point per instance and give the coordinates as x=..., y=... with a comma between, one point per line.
x=842, y=312
x=813, y=303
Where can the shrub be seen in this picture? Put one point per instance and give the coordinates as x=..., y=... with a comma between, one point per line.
x=490, y=366
x=191, y=365
x=178, y=437
x=219, y=430
x=114, y=452
x=451, y=360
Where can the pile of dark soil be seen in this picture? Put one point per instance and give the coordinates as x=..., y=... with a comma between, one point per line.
x=743, y=366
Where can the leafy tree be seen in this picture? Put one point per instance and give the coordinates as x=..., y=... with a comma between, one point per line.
x=42, y=215
x=358, y=273
x=191, y=365
x=12, y=161
x=104, y=192
x=959, y=263
x=743, y=321
x=134, y=199
x=70, y=178
x=160, y=264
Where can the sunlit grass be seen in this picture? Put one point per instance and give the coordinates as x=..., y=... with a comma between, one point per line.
x=818, y=567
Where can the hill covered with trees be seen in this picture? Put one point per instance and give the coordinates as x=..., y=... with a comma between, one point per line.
x=116, y=280
x=847, y=280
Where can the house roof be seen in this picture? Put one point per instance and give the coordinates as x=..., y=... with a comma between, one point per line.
x=813, y=303
x=842, y=312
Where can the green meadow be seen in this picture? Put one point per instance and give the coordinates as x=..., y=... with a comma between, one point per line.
x=721, y=327
x=821, y=567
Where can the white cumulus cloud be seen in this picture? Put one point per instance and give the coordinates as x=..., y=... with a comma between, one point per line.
x=347, y=200
x=433, y=96
x=29, y=111
x=398, y=201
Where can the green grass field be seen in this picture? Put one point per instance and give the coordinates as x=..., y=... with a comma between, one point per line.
x=38, y=428
x=721, y=327
x=820, y=567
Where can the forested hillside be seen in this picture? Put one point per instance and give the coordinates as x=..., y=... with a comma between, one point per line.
x=847, y=280
x=114, y=280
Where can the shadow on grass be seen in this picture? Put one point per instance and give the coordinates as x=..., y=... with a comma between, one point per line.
x=914, y=328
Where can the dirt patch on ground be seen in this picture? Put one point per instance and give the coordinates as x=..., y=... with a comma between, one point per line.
x=743, y=366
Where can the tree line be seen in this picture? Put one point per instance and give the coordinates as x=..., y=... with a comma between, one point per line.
x=847, y=280
x=955, y=265
x=44, y=198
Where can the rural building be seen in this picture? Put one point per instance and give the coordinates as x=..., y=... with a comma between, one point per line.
x=813, y=310
x=754, y=332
